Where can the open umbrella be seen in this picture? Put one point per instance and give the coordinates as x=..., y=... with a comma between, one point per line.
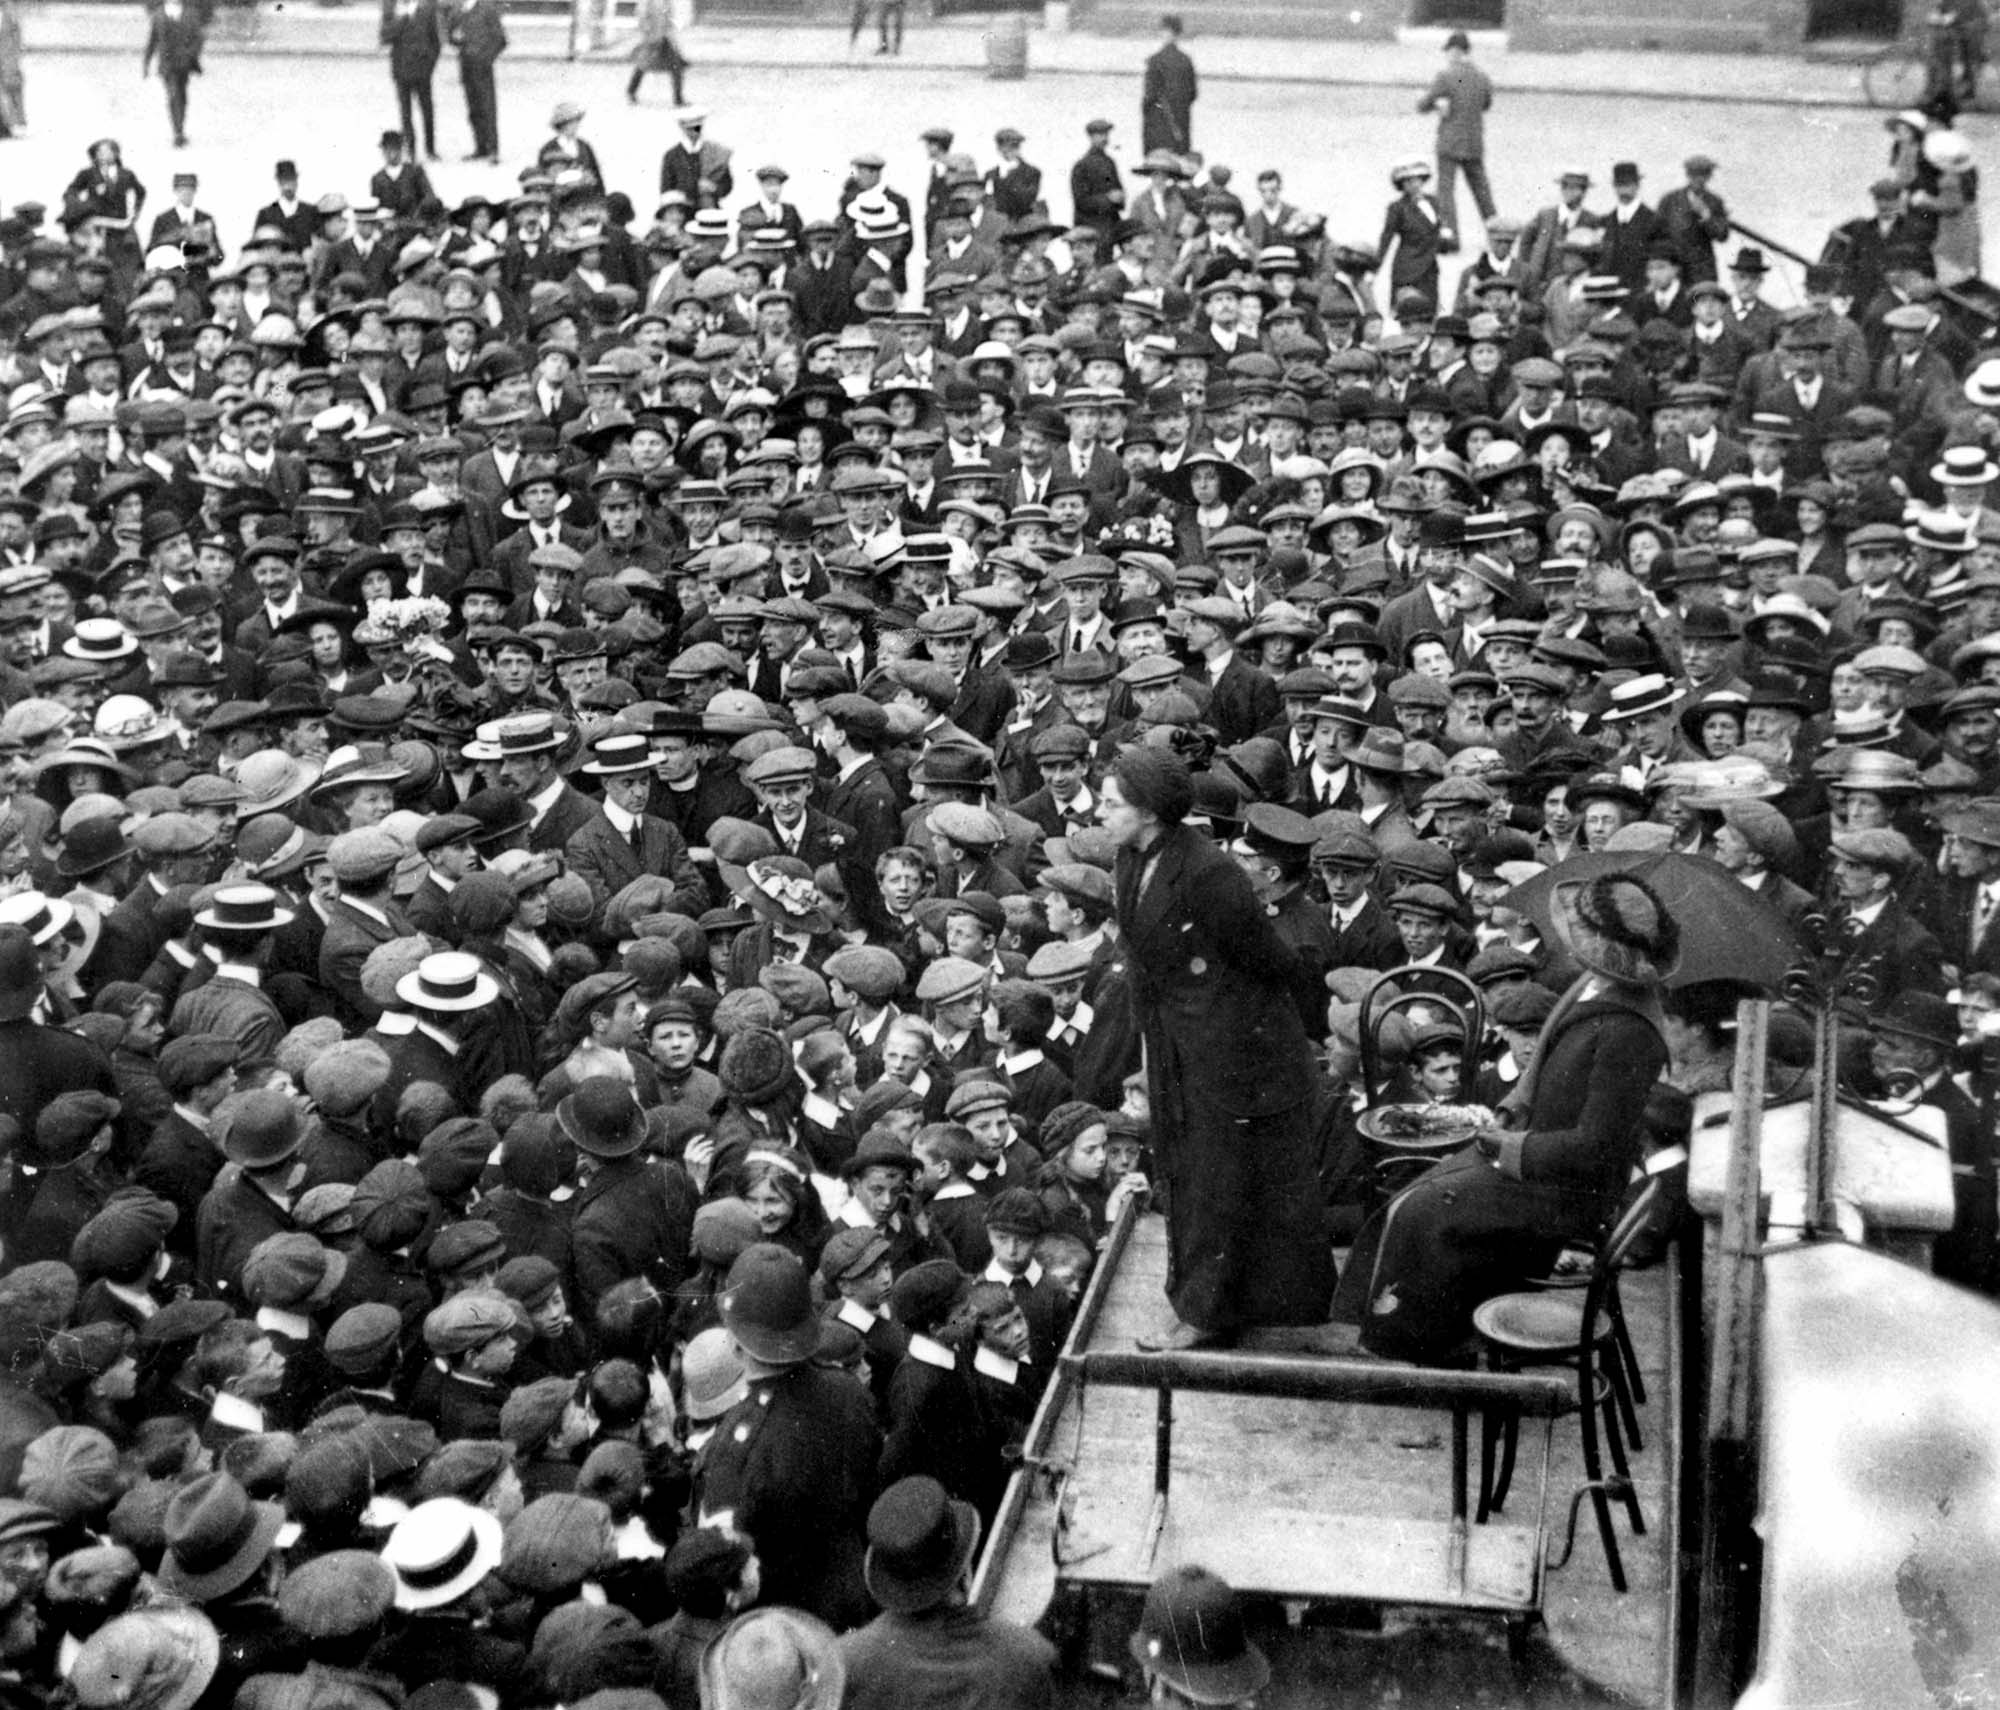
x=1728, y=932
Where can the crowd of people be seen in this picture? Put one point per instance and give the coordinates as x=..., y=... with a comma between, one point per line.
x=620, y=852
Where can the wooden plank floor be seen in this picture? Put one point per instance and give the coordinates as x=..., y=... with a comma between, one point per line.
x=1270, y=1458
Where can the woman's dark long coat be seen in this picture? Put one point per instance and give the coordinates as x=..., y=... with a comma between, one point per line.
x=1230, y=1075
x=1471, y=1229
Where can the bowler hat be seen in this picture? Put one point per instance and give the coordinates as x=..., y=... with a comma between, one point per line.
x=603, y=1118
x=262, y=1130
x=920, y=1542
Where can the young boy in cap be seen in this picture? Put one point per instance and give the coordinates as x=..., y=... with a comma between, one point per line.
x=955, y=990
x=985, y=1105
x=476, y=1336
x=856, y=1271
x=1015, y=1221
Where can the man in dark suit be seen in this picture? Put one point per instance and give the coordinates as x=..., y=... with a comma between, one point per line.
x=1167, y=97
x=1811, y=397
x=1096, y=191
x=413, y=32
x=363, y=917
x=526, y=747
x=481, y=38
x=174, y=42
x=1013, y=186
x=1860, y=248
x=1363, y=934
x=1756, y=843
x=445, y=842
x=447, y=994
x=783, y=780
x=861, y=794
x=1911, y=1044
x=1065, y=802
x=1878, y=937
x=617, y=845
x=1630, y=229
x=697, y=166
x=177, y=849
x=984, y=697
x=297, y=219
x=1967, y=917
x=1701, y=449
x=822, y=283
x=1696, y=218
x=1242, y=700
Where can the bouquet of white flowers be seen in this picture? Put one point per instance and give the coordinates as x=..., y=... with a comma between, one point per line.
x=412, y=624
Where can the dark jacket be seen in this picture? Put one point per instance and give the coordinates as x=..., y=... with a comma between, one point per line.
x=631, y=1219
x=351, y=937
x=415, y=43
x=480, y=34
x=1166, y=101
x=795, y=1463
x=1206, y=964
x=947, y=1659
x=1474, y=1227
x=605, y=858
x=235, y=1215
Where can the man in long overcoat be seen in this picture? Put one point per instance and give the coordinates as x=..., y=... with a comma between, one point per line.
x=1166, y=101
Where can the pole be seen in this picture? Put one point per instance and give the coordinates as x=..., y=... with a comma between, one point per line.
x=1725, y=1591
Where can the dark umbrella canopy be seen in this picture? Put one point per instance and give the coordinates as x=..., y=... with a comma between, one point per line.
x=1728, y=932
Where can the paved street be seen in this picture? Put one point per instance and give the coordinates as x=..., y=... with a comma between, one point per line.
x=1789, y=171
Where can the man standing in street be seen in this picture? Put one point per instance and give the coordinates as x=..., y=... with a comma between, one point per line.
x=1460, y=94
x=1166, y=103
x=414, y=35
x=481, y=39
x=174, y=42
x=1695, y=218
x=1094, y=185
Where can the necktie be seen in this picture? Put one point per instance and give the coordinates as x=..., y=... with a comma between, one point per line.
x=637, y=838
x=1983, y=906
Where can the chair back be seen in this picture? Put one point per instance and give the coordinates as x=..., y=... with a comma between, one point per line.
x=1439, y=989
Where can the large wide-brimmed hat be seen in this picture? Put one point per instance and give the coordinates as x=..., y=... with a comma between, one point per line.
x=217, y=1537
x=1615, y=925
x=152, y=1659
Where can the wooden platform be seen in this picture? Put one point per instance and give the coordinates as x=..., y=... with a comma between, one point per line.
x=1293, y=1495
